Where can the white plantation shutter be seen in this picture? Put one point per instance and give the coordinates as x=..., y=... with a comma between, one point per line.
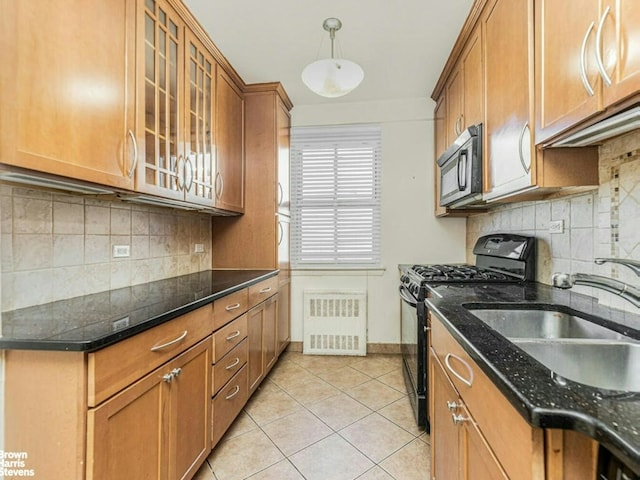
x=336, y=198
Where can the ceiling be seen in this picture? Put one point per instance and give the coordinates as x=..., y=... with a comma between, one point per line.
x=402, y=45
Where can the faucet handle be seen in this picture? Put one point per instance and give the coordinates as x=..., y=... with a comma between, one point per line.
x=634, y=265
x=562, y=280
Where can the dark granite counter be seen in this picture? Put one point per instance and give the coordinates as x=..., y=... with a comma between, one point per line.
x=610, y=417
x=95, y=321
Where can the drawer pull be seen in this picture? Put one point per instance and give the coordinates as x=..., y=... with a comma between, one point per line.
x=235, y=392
x=234, y=335
x=168, y=344
x=468, y=382
x=235, y=362
x=228, y=308
x=265, y=290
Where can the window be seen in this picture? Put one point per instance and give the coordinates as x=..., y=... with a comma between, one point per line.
x=336, y=184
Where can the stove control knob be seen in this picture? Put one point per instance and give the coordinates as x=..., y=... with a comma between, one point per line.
x=414, y=289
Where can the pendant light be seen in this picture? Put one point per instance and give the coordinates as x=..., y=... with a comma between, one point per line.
x=332, y=77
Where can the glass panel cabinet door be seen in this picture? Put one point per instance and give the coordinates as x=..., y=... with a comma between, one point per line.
x=199, y=108
x=162, y=163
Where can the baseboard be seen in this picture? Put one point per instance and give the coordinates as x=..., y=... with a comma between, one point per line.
x=372, y=348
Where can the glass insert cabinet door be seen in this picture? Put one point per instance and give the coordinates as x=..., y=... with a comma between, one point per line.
x=199, y=142
x=163, y=170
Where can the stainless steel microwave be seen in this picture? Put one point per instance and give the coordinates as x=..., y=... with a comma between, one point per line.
x=461, y=170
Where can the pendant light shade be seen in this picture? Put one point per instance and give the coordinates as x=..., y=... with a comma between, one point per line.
x=332, y=77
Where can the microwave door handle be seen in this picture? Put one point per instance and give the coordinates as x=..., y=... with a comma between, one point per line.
x=462, y=171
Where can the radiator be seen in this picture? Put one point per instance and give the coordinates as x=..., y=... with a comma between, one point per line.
x=335, y=323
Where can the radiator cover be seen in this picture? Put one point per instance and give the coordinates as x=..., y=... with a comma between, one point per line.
x=335, y=322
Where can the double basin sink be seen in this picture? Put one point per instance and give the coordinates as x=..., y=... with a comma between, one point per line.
x=572, y=347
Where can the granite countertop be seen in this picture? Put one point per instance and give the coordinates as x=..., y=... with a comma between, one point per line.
x=95, y=321
x=610, y=417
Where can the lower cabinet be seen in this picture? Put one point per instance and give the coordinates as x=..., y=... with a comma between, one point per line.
x=262, y=340
x=459, y=449
x=477, y=433
x=284, y=315
x=172, y=404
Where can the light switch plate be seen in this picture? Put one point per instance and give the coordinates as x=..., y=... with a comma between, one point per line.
x=199, y=248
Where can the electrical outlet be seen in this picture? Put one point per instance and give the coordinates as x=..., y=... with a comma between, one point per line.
x=119, y=324
x=121, y=251
x=199, y=248
x=557, y=226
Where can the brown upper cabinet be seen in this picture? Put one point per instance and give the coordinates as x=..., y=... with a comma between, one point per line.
x=586, y=60
x=490, y=78
x=229, y=177
x=68, y=92
x=508, y=83
x=160, y=114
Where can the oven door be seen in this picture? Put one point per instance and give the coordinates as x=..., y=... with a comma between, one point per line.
x=414, y=350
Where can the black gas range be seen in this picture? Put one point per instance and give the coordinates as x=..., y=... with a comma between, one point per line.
x=500, y=258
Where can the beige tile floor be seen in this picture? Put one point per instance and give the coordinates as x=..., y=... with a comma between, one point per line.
x=325, y=418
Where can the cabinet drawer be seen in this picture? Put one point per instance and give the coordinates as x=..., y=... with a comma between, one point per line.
x=228, y=337
x=512, y=439
x=263, y=290
x=115, y=367
x=228, y=403
x=227, y=308
x=228, y=365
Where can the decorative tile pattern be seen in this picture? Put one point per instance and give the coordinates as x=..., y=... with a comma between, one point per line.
x=601, y=223
x=332, y=438
x=46, y=239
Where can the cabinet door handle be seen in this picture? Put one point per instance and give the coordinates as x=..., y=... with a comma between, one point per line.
x=453, y=405
x=155, y=348
x=458, y=419
x=468, y=382
x=234, y=335
x=180, y=172
x=603, y=72
x=221, y=189
x=527, y=168
x=190, y=176
x=168, y=377
x=235, y=306
x=230, y=366
x=583, y=63
x=176, y=372
x=280, y=194
x=265, y=290
x=235, y=392
x=134, y=164
x=281, y=233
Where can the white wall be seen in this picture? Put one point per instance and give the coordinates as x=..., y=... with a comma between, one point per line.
x=410, y=232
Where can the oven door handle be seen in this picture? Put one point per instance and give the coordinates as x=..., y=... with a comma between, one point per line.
x=404, y=297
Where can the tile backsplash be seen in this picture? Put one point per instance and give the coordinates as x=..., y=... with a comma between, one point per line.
x=604, y=222
x=55, y=246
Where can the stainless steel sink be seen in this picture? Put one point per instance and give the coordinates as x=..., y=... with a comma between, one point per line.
x=608, y=365
x=514, y=323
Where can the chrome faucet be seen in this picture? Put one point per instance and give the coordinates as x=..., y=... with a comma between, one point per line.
x=632, y=264
x=624, y=290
